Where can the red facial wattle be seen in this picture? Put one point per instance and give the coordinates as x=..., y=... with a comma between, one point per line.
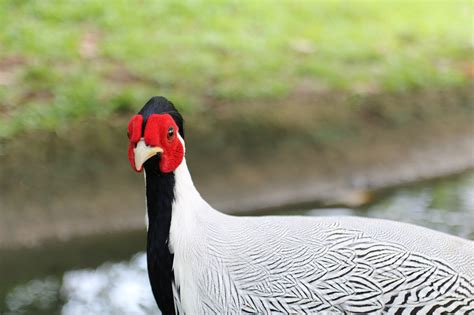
x=134, y=135
x=157, y=134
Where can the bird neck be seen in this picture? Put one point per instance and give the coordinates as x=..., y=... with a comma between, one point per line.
x=189, y=221
x=160, y=197
x=189, y=208
x=187, y=198
x=173, y=206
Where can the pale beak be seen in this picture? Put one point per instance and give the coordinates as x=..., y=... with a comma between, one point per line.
x=143, y=152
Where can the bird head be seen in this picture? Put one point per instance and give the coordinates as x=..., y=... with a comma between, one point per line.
x=156, y=137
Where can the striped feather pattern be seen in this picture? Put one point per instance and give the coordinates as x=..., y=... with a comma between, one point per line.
x=293, y=265
x=331, y=270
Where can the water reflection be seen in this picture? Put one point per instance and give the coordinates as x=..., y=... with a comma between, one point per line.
x=112, y=288
x=446, y=206
x=37, y=295
x=122, y=288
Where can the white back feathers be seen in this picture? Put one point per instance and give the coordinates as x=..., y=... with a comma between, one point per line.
x=226, y=265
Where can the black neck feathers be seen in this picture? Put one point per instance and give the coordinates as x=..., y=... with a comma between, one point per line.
x=160, y=197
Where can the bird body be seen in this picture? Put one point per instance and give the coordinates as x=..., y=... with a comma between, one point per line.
x=202, y=261
x=293, y=264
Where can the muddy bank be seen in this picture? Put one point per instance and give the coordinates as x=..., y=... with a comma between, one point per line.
x=77, y=181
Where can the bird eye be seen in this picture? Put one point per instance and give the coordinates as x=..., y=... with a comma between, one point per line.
x=170, y=133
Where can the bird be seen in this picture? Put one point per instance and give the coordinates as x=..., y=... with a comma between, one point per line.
x=203, y=261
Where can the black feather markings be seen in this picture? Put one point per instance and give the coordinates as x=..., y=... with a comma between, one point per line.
x=160, y=197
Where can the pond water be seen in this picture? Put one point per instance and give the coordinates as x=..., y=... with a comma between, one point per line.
x=107, y=274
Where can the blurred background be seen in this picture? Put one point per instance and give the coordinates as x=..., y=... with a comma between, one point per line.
x=291, y=107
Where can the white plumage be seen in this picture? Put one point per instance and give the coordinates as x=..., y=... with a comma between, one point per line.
x=279, y=264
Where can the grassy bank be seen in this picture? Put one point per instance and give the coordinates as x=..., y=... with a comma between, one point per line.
x=64, y=61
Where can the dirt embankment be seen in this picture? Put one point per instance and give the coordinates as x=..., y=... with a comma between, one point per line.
x=243, y=157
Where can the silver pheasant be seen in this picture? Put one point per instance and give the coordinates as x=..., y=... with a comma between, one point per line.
x=202, y=261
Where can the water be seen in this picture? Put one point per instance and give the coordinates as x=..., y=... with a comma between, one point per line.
x=107, y=275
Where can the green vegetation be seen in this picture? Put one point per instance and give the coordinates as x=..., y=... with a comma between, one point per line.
x=66, y=60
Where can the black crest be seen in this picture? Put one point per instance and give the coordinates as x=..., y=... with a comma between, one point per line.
x=161, y=105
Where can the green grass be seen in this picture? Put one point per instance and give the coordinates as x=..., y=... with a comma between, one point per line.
x=66, y=60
